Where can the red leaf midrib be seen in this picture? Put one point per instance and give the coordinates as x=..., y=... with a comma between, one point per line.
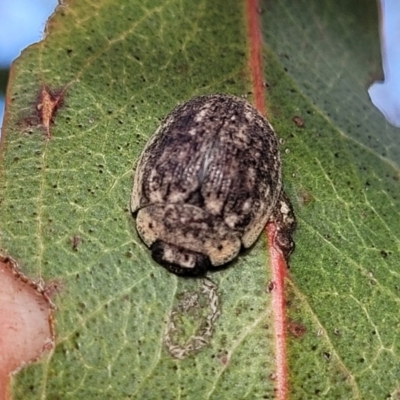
x=278, y=263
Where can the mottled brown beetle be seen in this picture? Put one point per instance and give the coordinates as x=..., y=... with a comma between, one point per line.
x=206, y=184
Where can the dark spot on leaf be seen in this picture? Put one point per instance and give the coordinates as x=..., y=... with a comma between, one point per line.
x=296, y=329
x=76, y=241
x=270, y=286
x=327, y=355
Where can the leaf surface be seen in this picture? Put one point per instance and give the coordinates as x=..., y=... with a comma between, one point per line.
x=120, y=67
x=106, y=74
x=343, y=170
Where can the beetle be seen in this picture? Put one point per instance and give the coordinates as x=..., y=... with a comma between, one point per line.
x=206, y=184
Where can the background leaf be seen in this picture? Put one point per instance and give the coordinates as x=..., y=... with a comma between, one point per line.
x=343, y=171
x=124, y=66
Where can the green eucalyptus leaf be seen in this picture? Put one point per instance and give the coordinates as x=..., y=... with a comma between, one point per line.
x=113, y=70
x=109, y=73
x=343, y=170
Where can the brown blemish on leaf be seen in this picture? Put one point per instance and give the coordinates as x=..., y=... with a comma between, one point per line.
x=297, y=329
x=305, y=197
x=76, y=241
x=52, y=288
x=48, y=102
x=270, y=286
x=272, y=376
x=223, y=357
x=298, y=121
x=26, y=321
